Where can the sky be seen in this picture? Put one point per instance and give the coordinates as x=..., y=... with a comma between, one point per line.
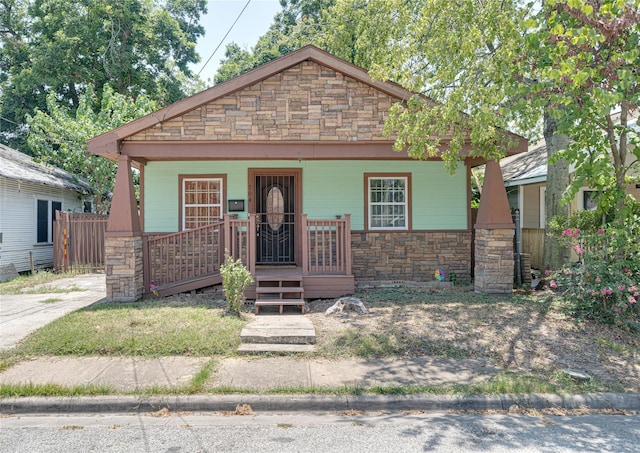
x=253, y=23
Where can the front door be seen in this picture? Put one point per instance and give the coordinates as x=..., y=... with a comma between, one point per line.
x=276, y=217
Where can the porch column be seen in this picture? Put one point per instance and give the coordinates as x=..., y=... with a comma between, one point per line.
x=494, y=236
x=123, y=240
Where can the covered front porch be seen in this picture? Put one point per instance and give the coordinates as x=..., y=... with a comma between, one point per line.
x=191, y=259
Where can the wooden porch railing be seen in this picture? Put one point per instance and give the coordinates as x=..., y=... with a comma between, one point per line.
x=326, y=246
x=198, y=253
x=240, y=240
x=182, y=256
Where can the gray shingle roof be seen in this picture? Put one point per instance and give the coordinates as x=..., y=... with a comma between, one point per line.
x=532, y=164
x=17, y=165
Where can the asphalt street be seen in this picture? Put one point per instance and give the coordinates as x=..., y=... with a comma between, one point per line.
x=347, y=432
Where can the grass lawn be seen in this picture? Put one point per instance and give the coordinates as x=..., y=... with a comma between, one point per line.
x=146, y=329
x=527, y=335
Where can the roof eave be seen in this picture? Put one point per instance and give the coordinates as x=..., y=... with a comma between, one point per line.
x=525, y=181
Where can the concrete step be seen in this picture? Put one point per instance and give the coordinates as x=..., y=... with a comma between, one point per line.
x=268, y=347
x=288, y=329
x=278, y=336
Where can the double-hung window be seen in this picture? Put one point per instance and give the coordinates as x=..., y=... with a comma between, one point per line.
x=45, y=216
x=388, y=201
x=202, y=201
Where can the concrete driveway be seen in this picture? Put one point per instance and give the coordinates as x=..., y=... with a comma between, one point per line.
x=22, y=314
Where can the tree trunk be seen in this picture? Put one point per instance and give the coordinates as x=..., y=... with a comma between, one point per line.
x=555, y=254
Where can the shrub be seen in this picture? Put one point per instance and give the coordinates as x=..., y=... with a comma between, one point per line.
x=604, y=284
x=235, y=280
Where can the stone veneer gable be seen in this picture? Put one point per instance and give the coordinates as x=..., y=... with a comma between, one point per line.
x=307, y=102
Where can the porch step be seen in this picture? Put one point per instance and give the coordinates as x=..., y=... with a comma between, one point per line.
x=279, y=302
x=279, y=291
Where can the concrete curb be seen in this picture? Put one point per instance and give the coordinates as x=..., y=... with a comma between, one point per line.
x=314, y=403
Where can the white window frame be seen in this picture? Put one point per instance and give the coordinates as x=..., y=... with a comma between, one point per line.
x=220, y=205
x=581, y=192
x=405, y=203
x=50, y=219
x=543, y=210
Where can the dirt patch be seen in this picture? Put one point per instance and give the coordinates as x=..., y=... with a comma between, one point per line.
x=524, y=332
x=519, y=332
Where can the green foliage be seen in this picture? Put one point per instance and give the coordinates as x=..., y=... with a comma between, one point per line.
x=586, y=221
x=61, y=46
x=459, y=54
x=586, y=55
x=59, y=135
x=235, y=280
x=604, y=284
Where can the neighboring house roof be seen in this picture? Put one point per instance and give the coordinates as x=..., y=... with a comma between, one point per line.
x=525, y=168
x=531, y=167
x=108, y=143
x=19, y=166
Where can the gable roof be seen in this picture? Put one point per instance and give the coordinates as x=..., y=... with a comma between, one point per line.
x=21, y=167
x=107, y=144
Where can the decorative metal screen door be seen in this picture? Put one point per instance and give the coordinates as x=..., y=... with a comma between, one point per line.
x=275, y=209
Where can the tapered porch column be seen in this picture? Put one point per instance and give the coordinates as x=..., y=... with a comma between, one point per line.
x=123, y=240
x=494, y=227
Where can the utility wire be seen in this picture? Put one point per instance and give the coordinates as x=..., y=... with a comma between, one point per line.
x=225, y=37
x=8, y=120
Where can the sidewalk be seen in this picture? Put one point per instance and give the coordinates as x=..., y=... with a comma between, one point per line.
x=130, y=374
x=235, y=376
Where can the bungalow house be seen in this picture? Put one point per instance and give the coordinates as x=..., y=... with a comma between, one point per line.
x=30, y=194
x=525, y=177
x=287, y=167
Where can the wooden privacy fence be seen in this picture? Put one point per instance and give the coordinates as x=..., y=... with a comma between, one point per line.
x=78, y=241
x=533, y=244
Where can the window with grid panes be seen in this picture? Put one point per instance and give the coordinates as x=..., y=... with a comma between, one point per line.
x=388, y=203
x=202, y=202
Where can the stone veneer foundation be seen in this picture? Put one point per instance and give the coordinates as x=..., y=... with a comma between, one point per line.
x=411, y=255
x=124, y=270
x=494, y=263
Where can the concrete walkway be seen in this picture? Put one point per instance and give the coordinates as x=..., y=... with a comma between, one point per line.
x=135, y=374
x=22, y=314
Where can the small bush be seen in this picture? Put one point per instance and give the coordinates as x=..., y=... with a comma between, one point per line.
x=235, y=280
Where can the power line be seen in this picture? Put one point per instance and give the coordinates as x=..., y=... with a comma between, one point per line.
x=225, y=37
x=8, y=120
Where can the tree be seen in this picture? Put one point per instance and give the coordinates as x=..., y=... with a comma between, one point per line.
x=494, y=64
x=59, y=135
x=292, y=28
x=588, y=52
x=61, y=46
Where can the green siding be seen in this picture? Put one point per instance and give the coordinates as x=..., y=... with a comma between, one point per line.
x=329, y=188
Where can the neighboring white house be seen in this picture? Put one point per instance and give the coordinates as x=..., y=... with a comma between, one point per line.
x=30, y=193
x=525, y=179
